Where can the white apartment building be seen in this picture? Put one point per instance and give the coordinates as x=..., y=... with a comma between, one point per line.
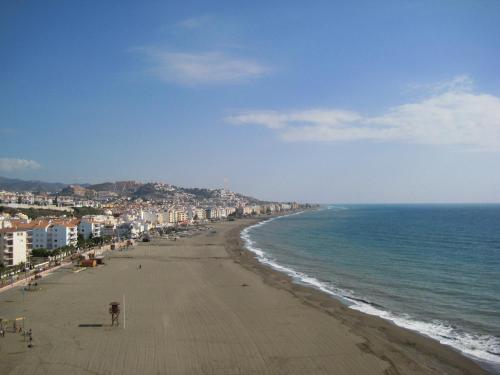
x=65, y=201
x=247, y=210
x=109, y=230
x=26, y=198
x=51, y=235
x=230, y=210
x=211, y=213
x=153, y=217
x=172, y=217
x=181, y=216
x=164, y=217
x=221, y=213
x=136, y=229
x=148, y=216
x=40, y=230
x=5, y=222
x=89, y=228
x=127, y=229
x=15, y=246
x=62, y=234
x=8, y=197
x=194, y=213
x=201, y=213
x=128, y=217
x=43, y=200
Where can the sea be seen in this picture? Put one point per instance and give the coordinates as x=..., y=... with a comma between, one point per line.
x=434, y=269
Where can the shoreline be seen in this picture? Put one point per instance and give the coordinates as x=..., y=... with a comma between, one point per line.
x=204, y=305
x=411, y=341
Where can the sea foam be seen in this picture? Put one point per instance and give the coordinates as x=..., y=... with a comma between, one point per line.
x=484, y=348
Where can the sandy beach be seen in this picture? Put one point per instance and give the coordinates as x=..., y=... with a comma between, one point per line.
x=204, y=305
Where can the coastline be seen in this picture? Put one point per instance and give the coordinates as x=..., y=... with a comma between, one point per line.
x=204, y=305
x=384, y=338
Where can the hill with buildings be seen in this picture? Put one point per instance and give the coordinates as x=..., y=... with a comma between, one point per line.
x=123, y=189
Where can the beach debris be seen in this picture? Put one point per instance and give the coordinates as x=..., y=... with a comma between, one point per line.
x=32, y=286
x=90, y=325
x=88, y=263
x=244, y=284
x=114, y=310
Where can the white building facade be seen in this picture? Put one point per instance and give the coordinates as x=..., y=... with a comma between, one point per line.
x=40, y=236
x=60, y=235
x=15, y=246
x=89, y=228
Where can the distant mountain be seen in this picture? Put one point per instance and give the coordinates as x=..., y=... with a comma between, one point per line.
x=133, y=189
x=13, y=184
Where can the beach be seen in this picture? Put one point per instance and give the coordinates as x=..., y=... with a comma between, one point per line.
x=204, y=305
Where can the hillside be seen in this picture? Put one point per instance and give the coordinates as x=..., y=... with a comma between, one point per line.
x=119, y=187
x=13, y=184
x=132, y=189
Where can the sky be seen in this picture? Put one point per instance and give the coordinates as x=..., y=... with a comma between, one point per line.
x=324, y=101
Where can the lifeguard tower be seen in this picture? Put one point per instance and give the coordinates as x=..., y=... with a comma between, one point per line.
x=114, y=310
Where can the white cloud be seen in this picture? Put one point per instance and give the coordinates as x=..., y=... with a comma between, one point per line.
x=461, y=83
x=455, y=116
x=202, y=68
x=9, y=165
x=285, y=120
x=195, y=22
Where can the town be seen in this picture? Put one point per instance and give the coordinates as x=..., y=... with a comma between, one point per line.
x=40, y=226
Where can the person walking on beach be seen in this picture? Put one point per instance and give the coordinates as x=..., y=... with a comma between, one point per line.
x=30, y=338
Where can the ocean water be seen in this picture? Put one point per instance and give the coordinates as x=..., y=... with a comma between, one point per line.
x=434, y=269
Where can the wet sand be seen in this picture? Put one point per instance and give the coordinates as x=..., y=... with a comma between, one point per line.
x=204, y=305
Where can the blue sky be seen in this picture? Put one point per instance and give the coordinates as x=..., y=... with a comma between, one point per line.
x=387, y=101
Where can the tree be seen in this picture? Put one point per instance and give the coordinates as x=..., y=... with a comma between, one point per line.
x=3, y=269
x=80, y=241
x=19, y=267
x=107, y=239
x=40, y=253
x=82, y=211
